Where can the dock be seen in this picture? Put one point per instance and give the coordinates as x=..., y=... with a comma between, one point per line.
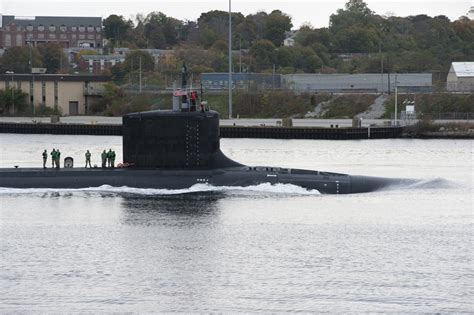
x=265, y=132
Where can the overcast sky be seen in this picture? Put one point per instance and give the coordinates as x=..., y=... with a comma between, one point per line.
x=316, y=12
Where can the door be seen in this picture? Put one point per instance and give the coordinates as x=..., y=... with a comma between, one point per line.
x=73, y=108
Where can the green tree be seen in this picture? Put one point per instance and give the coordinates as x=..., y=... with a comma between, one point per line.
x=263, y=51
x=12, y=99
x=53, y=57
x=116, y=28
x=17, y=59
x=133, y=59
x=277, y=24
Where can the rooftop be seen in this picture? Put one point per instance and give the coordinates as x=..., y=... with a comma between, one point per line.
x=463, y=69
x=67, y=21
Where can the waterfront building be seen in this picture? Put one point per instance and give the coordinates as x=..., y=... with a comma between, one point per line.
x=461, y=77
x=70, y=94
x=240, y=80
x=359, y=83
x=83, y=32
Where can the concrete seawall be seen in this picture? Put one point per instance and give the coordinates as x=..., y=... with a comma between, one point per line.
x=268, y=132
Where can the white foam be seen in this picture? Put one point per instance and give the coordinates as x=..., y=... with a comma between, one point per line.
x=262, y=188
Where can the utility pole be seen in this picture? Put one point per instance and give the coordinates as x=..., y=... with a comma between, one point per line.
x=396, y=100
x=140, y=76
x=230, y=59
x=13, y=92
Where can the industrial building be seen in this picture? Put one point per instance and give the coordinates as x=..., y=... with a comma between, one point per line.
x=358, y=83
x=332, y=83
x=70, y=94
x=84, y=32
x=461, y=77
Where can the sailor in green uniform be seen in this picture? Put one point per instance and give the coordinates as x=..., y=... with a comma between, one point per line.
x=109, y=158
x=45, y=158
x=104, y=158
x=53, y=157
x=88, y=159
x=58, y=158
x=112, y=159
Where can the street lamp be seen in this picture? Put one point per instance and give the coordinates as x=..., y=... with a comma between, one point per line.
x=230, y=60
x=396, y=100
x=13, y=92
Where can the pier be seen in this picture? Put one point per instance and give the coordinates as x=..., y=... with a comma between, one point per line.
x=266, y=132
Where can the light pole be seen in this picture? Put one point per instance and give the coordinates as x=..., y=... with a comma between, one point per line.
x=230, y=60
x=396, y=100
x=13, y=92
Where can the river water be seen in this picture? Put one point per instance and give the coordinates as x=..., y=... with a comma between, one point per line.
x=257, y=249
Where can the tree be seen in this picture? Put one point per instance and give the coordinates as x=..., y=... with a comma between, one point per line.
x=161, y=31
x=132, y=61
x=277, y=24
x=263, y=51
x=17, y=59
x=12, y=97
x=53, y=57
x=116, y=28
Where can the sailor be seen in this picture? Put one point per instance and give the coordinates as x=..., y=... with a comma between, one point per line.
x=112, y=159
x=45, y=157
x=58, y=158
x=88, y=159
x=53, y=157
x=104, y=158
x=109, y=158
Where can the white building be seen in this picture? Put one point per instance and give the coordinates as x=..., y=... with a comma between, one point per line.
x=461, y=77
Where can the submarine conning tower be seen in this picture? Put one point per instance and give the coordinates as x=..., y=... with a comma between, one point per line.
x=173, y=139
x=182, y=138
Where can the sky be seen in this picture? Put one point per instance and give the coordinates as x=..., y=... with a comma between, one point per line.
x=316, y=12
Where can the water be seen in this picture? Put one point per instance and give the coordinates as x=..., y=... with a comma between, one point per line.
x=264, y=248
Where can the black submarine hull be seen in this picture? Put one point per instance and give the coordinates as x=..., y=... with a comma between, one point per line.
x=242, y=176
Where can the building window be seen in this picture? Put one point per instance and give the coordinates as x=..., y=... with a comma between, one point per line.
x=73, y=36
x=40, y=28
x=90, y=28
x=82, y=28
x=90, y=36
x=98, y=29
x=62, y=28
x=19, y=40
x=40, y=36
x=63, y=36
x=52, y=36
x=29, y=27
x=52, y=28
x=43, y=92
x=8, y=40
x=55, y=94
x=82, y=36
x=74, y=28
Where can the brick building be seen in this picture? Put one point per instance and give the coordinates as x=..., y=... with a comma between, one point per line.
x=68, y=31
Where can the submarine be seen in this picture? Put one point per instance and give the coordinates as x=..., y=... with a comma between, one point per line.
x=179, y=148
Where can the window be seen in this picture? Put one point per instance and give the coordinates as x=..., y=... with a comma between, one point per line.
x=62, y=36
x=52, y=28
x=55, y=94
x=29, y=27
x=40, y=28
x=90, y=28
x=19, y=40
x=40, y=36
x=74, y=28
x=52, y=36
x=90, y=36
x=8, y=40
x=98, y=29
x=43, y=91
x=62, y=28
x=82, y=28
